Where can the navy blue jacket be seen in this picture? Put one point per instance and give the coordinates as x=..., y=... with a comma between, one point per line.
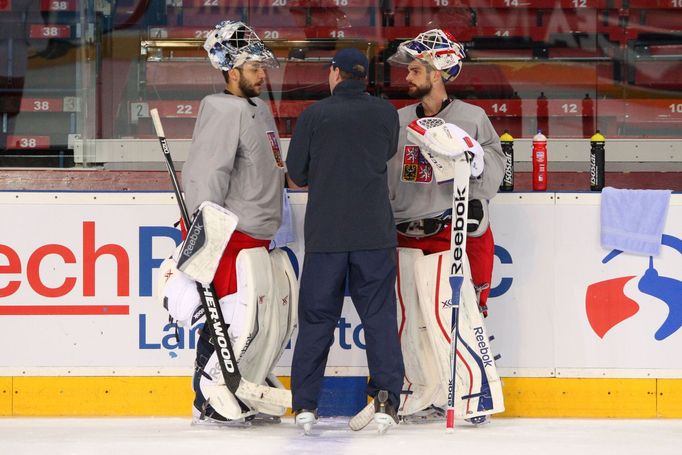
x=340, y=149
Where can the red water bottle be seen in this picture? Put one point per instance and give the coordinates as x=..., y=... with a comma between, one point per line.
x=539, y=157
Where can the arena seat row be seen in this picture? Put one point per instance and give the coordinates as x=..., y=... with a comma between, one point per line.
x=519, y=52
x=540, y=21
x=557, y=117
x=40, y=76
x=478, y=4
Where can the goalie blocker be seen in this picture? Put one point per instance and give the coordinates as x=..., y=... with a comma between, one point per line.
x=207, y=237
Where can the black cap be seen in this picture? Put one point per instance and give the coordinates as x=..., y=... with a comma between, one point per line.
x=351, y=61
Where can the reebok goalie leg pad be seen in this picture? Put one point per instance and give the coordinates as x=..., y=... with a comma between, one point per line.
x=478, y=389
x=206, y=240
x=422, y=383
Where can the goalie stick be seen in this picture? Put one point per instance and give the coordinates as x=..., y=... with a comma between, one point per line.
x=458, y=239
x=440, y=141
x=234, y=382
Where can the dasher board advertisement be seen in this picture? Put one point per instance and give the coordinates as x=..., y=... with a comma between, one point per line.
x=78, y=273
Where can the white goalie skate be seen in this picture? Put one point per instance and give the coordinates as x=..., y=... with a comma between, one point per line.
x=385, y=414
x=305, y=419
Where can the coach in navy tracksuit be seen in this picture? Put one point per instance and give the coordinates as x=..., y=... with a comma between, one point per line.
x=339, y=150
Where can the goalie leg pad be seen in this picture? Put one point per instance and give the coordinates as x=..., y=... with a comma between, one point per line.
x=478, y=389
x=422, y=384
x=246, y=311
x=269, y=345
x=254, y=286
x=285, y=300
x=272, y=409
x=262, y=316
x=206, y=240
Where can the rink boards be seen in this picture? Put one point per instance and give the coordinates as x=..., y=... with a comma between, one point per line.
x=582, y=331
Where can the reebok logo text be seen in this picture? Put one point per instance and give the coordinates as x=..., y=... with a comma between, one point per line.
x=458, y=225
x=483, y=347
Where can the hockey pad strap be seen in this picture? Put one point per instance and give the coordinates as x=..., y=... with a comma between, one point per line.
x=206, y=240
x=477, y=217
x=441, y=143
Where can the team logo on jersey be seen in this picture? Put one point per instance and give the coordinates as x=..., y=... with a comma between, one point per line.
x=276, y=152
x=415, y=167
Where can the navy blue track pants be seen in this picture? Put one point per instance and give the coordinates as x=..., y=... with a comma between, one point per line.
x=371, y=281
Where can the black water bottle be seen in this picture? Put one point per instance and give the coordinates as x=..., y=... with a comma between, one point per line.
x=597, y=161
x=508, y=149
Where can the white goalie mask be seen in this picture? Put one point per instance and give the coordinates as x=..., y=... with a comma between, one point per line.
x=437, y=48
x=233, y=43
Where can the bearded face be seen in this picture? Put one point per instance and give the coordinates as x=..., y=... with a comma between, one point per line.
x=251, y=79
x=418, y=79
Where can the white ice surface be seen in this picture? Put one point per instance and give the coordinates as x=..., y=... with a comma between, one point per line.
x=150, y=436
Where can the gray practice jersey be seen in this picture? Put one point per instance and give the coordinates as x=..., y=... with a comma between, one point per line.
x=235, y=161
x=414, y=192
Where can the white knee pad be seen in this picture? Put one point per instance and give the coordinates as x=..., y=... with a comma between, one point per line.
x=478, y=389
x=421, y=385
